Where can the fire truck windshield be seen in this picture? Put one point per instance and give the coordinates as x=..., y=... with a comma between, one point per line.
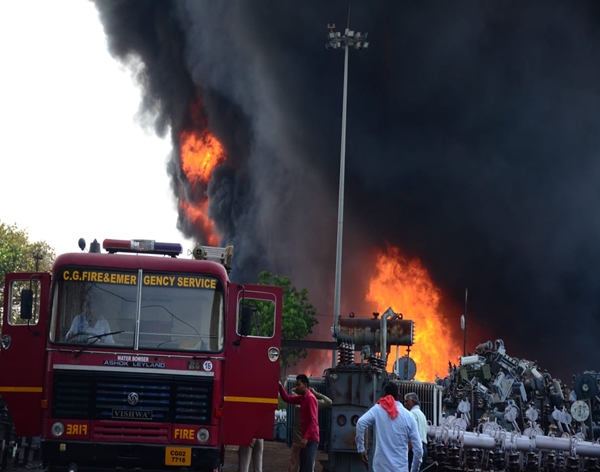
x=137, y=310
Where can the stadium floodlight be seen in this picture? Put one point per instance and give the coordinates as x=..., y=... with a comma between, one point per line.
x=336, y=41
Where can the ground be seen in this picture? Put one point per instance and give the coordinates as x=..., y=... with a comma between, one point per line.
x=276, y=458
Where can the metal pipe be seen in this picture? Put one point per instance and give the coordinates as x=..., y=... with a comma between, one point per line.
x=340, y=228
x=389, y=313
x=514, y=441
x=435, y=407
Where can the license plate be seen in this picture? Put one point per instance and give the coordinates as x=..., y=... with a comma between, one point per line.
x=178, y=456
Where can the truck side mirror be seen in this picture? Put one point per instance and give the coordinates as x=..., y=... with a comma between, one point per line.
x=26, y=303
x=245, y=322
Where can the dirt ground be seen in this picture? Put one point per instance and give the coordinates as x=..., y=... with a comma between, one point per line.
x=276, y=458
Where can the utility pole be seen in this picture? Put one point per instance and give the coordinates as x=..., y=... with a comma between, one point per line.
x=337, y=40
x=463, y=323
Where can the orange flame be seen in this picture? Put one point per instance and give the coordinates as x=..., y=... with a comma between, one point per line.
x=406, y=286
x=198, y=215
x=200, y=152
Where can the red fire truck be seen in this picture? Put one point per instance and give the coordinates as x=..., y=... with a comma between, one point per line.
x=123, y=359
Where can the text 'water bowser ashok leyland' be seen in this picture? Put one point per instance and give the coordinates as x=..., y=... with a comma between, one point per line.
x=129, y=360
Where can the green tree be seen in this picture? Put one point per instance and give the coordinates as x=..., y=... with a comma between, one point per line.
x=298, y=316
x=18, y=254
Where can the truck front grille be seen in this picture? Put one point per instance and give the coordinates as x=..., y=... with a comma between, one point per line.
x=126, y=434
x=156, y=398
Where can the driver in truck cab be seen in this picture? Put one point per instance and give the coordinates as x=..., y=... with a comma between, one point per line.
x=90, y=324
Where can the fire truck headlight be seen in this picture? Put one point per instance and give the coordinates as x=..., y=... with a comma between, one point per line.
x=58, y=429
x=273, y=354
x=202, y=435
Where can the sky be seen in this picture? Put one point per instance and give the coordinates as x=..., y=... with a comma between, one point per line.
x=472, y=147
x=75, y=161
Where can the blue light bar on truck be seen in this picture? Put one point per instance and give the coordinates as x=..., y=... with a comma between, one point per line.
x=146, y=246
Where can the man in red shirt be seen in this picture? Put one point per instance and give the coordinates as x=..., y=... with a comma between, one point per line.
x=309, y=421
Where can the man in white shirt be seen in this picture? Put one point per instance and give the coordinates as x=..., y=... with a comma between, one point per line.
x=394, y=428
x=252, y=453
x=411, y=402
x=89, y=324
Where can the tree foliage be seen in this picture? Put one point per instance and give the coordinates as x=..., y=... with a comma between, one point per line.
x=298, y=315
x=18, y=254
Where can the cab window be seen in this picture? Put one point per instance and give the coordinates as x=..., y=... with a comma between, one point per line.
x=262, y=317
x=94, y=307
x=181, y=312
x=138, y=310
x=16, y=288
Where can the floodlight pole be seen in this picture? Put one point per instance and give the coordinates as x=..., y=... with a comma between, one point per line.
x=336, y=41
x=465, y=323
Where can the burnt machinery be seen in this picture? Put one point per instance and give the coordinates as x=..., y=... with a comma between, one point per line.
x=505, y=413
x=490, y=385
x=354, y=385
x=492, y=412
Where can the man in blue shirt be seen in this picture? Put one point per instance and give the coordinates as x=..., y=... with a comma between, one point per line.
x=394, y=428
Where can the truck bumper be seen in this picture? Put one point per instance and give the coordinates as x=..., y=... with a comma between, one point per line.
x=104, y=457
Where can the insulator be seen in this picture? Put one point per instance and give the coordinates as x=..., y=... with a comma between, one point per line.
x=550, y=462
x=430, y=449
x=572, y=463
x=472, y=458
x=440, y=453
x=346, y=353
x=454, y=456
x=377, y=362
x=349, y=353
x=499, y=460
x=513, y=462
x=560, y=462
x=532, y=461
x=591, y=463
x=488, y=459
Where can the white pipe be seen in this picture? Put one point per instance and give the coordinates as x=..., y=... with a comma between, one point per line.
x=468, y=360
x=435, y=416
x=437, y=401
x=389, y=313
x=514, y=441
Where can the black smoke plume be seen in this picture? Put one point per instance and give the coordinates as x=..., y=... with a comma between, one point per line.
x=473, y=141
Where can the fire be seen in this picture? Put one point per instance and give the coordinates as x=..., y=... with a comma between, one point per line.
x=200, y=153
x=406, y=286
x=198, y=216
